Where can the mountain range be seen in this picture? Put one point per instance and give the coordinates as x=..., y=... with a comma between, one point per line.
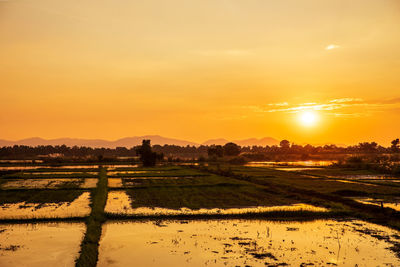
x=134, y=141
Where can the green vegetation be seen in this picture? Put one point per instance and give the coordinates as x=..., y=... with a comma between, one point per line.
x=147, y=156
x=319, y=191
x=299, y=215
x=198, y=190
x=221, y=185
x=38, y=196
x=90, y=243
x=55, y=170
x=27, y=175
x=222, y=195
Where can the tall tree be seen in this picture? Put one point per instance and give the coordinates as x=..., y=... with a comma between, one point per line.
x=231, y=149
x=147, y=156
x=396, y=145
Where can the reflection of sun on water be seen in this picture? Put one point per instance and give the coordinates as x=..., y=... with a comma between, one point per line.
x=308, y=118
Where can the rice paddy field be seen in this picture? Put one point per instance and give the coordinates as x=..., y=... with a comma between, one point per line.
x=260, y=214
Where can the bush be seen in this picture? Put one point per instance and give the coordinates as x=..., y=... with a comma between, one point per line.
x=238, y=161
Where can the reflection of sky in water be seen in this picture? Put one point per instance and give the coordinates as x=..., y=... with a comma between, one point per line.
x=89, y=183
x=37, y=183
x=57, y=173
x=294, y=169
x=118, y=202
x=367, y=177
x=243, y=242
x=77, y=208
x=40, y=244
x=109, y=166
x=115, y=182
x=307, y=163
x=378, y=202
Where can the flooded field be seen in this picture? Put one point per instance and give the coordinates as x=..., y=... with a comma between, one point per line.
x=17, y=168
x=89, y=183
x=40, y=244
x=119, y=202
x=279, y=191
x=21, y=161
x=379, y=202
x=40, y=183
x=116, y=167
x=306, y=163
x=115, y=182
x=128, y=172
x=294, y=169
x=35, y=167
x=247, y=243
x=380, y=177
x=22, y=210
x=56, y=173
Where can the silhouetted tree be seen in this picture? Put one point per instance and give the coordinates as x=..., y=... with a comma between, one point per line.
x=368, y=147
x=231, y=149
x=395, y=145
x=285, y=144
x=148, y=157
x=215, y=151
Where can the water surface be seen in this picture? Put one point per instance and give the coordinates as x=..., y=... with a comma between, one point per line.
x=22, y=210
x=246, y=243
x=119, y=202
x=39, y=183
x=40, y=244
x=305, y=163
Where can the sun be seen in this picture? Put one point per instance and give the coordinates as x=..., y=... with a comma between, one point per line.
x=308, y=118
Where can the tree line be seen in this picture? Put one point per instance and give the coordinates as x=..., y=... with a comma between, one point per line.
x=229, y=149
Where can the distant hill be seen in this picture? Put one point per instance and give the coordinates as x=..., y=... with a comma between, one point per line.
x=219, y=141
x=124, y=142
x=133, y=141
x=266, y=141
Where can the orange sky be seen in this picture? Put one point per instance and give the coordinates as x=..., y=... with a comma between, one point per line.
x=200, y=69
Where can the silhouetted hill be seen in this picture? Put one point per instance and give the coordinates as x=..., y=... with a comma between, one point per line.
x=133, y=141
x=266, y=141
x=124, y=142
x=219, y=141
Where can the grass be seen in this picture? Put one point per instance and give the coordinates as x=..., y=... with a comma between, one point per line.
x=39, y=196
x=318, y=182
x=39, y=175
x=89, y=247
x=180, y=181
x=196, y=197
x=299, y=215
x=71, y=183
x=38, y=220
x=207, y=191
x=94, y=169
x=157, y=172
x=58, y=164
x=164, y=168
x=321, y=192
x=222, y=186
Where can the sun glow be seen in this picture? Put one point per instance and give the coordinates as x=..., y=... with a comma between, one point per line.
x=308, y=118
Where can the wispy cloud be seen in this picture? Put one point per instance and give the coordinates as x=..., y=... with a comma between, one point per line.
x=346, y=100
x=279, y=104
x=342, y=107
x=332, y=46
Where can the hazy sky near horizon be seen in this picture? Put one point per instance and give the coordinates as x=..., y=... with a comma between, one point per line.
x=200, y=69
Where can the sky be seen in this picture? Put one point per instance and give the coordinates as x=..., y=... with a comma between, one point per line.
x=201, y=69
